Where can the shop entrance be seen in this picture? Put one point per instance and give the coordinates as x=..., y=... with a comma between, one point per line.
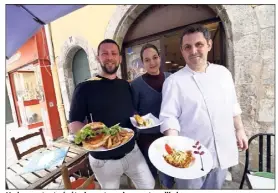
x=27, y=92
x=168, y=41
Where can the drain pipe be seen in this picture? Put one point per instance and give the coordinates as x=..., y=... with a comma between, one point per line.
x=56, y=82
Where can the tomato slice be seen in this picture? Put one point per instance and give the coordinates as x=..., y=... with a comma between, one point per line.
x=168, y=149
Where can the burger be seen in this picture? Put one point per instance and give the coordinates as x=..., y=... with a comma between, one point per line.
x=97, y=126
x=99, y=139
x=97, y=134
x=95, y=142
x=92, y=135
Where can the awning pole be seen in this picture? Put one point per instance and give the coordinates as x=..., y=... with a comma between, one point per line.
x=56, y=82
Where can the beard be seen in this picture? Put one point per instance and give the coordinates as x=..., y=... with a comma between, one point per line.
x=109, y=70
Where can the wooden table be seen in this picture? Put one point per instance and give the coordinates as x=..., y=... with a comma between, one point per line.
x=39, y=179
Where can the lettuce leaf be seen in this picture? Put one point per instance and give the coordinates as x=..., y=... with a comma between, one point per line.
x=85, y=132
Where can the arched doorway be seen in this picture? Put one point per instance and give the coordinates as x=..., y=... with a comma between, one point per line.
x=163, y=25
x=65, y=66
x=80, y=67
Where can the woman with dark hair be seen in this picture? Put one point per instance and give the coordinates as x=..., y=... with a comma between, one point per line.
x=147, y=98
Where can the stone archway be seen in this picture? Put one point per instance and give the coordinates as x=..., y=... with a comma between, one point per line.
x=125, y=15
x=69, y=49
x=249, y=52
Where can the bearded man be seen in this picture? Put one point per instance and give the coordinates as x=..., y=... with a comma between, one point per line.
x=108, y=99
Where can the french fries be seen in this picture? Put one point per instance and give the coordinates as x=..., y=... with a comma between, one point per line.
x=109, y=142
x=116, y=144
x=125, y=139
x=141, y=122
x=120, y=138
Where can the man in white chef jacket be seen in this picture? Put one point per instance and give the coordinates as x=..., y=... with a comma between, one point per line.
x=199, y=102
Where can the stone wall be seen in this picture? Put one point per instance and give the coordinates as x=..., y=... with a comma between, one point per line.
x=250, y=56
x=68, y=51
x=253, y=42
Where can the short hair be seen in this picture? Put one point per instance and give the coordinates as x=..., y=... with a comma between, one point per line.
x=108, y=41
x=146, y=46
x=195, y=28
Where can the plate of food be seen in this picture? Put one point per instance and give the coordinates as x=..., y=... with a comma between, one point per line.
x=145, y=122
x=180, y=157
x=97, y=136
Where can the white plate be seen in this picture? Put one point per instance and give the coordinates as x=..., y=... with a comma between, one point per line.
x=155, y=121
x=104, y=149
x=157, y=150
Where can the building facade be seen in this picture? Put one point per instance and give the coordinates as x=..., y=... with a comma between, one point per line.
x=244, y=43
x=75, y=38
x=31, y=89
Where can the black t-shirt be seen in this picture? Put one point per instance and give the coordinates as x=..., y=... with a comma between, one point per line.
x=107, y=101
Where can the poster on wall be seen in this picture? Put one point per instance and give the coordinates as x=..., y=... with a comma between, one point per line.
x=135, y=66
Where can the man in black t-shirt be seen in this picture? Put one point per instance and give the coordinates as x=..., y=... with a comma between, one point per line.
x=106, y=98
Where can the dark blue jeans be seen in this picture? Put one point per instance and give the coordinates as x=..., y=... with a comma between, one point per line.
x=165, y=180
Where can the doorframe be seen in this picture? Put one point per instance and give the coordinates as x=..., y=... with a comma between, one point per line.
x=160, y=36
x=8, y=108
x=15, y=99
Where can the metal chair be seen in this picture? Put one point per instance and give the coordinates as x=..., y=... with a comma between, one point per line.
x=247, y=172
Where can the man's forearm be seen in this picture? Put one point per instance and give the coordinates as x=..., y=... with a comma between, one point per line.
x=75, y=126
x=171, y=132
x=238, y=123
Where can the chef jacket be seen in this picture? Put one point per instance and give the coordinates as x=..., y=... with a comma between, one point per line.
x=201, y=106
